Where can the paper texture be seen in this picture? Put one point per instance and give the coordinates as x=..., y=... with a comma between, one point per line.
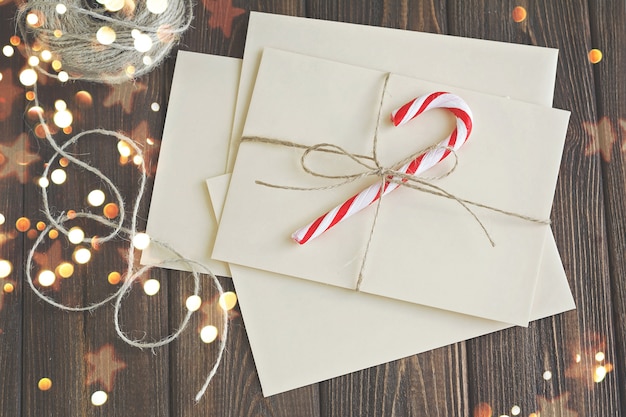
x=194, y=147
x=302, y=332
x=425, y=249
x=522, y=72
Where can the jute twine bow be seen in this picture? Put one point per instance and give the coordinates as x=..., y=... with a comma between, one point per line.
x=373, y=167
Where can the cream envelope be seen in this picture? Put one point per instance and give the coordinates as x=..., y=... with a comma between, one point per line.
x=425, y=249
x=523, y=72
x=292, y=324
x=302, y=332
x=194, y=147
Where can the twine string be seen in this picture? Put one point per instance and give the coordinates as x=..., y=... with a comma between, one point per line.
x=118, y=230
x=373, y=167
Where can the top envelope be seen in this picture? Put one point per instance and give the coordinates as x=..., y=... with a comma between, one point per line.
x=424, y=249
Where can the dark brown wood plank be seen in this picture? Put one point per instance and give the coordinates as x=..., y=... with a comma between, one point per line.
x=11, y=242
x=607, y=136
x=434, y=382
x=507, y=367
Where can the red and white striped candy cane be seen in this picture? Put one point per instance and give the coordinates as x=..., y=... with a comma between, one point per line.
x=412, y=109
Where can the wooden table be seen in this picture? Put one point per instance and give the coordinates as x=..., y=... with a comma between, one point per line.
x=568, y=365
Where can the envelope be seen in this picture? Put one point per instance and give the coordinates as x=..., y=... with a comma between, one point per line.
x=424, y=248
x=194, y=147
x=522, y=72
x=302, y=332
x=301, y=339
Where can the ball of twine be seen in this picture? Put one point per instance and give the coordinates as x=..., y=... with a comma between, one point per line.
x=109, y=41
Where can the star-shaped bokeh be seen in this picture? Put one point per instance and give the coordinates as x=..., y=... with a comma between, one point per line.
x=555, y=407
x=8, y=93
x=222, y=14
x=602, y=137
x=103, y=366
x=124, y=95
x=15, y=158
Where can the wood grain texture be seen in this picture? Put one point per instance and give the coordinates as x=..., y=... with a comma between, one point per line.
x=609, y=35
x=579, y=229
x=11, y=245
x=497, y=371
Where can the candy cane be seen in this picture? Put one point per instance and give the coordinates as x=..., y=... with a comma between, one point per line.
x=399, y=117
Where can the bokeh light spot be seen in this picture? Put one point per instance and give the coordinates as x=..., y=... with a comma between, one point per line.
x=141, y=241
x=22, y=224
x=63, y=76
x=76, y=235
x=155, y=106
x=46, y=278
x=519, y=14
x=156, y=6
x=2, y=218
x=114, y=278
x=53, y=234
x=65, y=270
x=99, y=398
x=193, y=303
x=61, y=8
x=44, y=384
x=111, y=211
x=96, y=198
x=208, y=334
x=228, y=300
x=8, y=288
x=82, y=256
x=63, y=118
x=547, y=375
x=84, y=99
x=106, y=35
x=8, y=51
x=5, y=268
x=482, y=410
x=516, y=410
x=58, y=176
x=595, y=56
x=151, y=287
x=15, y=40
x=28, y=77
x=40, y=226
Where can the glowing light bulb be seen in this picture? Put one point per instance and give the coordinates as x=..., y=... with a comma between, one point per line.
x=63, y=76
x=82, y=256
x=44, y=384
x=141, y=241
x=5, y=268
x=208, y=334
x=547, y=375
x=61, y=8
x=46, y=55
x=155, y=107
x=33, y=61
x=46, y=278
x=114, y=5
x=28, y=77
x=58, y=176
x=143, y=43
x=8, y=51
x=43, y=182
x=106, y=35
x=32, y=19
x=65, y=269
x=193, y=303
x=151, y=287
x=63, y=118
x=99, y=398
x=60, y=105
x=96, y=198
x=76, y=235
x=600, y=356
x=228, y=300
x=124, y=148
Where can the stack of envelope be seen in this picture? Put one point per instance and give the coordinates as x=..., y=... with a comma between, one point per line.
x=431, y=276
